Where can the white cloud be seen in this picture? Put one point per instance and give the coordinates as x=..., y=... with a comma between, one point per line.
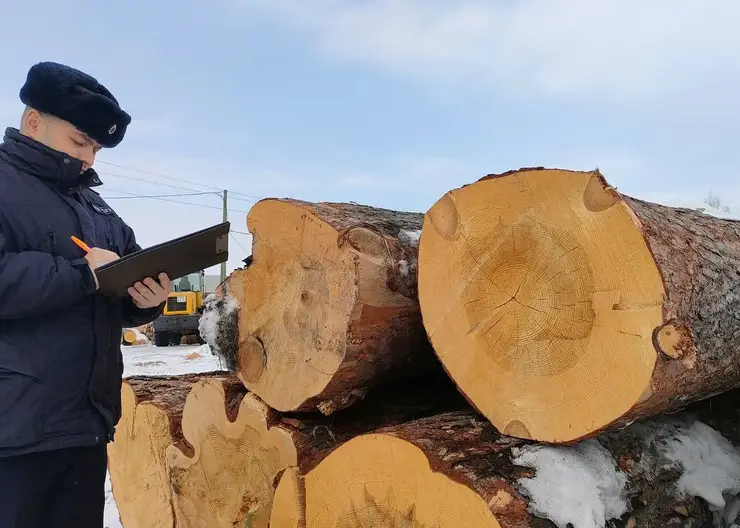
x=620, y=50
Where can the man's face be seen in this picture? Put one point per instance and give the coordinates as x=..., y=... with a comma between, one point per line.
x=60, y=135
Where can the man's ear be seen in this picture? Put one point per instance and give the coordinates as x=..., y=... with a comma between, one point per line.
x=31, y=121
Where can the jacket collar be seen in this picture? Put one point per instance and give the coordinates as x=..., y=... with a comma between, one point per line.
x=53, y=167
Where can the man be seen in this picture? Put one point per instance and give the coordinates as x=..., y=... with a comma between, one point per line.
x=60, y=356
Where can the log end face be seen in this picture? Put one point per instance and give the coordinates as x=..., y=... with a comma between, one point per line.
x=536, y=293
x=289, y=504
x=229, y=480
x=404, y=490
x=149, y=425
x=298, y=295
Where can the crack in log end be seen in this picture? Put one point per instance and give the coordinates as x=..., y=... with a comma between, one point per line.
x=675, y=341
x=599, y=195
x=445, y=218
x=529, y=286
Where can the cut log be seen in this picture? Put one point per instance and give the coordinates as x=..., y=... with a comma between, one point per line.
x=151, y=411
x=563, y=308
x=328, y=305
x=289, y=503
x=455, y=470
x=133, y=336
x=227, y=478
x=241, y=447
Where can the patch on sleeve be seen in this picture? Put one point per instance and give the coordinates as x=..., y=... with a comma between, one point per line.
x=102, y=209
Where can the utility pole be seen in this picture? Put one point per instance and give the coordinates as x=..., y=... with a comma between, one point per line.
x=226, y=217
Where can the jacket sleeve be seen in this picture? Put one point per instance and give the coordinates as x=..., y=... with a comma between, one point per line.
x=132, y=314
x=33, y=283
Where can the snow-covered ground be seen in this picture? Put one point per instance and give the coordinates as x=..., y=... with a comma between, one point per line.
x=150, y=360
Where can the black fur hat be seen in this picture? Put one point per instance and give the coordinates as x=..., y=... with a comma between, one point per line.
x=78, y=98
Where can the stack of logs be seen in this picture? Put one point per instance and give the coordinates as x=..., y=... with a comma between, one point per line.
x=394, y=369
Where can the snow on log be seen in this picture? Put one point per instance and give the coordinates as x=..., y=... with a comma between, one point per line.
x=454, y=470
x=151, y=411
x=327, y=307
x=563, y=308
x=240, y=447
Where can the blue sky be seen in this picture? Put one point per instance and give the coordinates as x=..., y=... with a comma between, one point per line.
x=392, y=103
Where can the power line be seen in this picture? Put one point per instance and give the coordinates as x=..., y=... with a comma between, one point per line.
x=238, y=243
x=153, y=195
x=178, y=187
x=173, y=178
x=161, y=198
x=134, y=178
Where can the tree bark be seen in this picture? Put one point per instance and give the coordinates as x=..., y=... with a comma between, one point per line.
x=241, y=447
x=327, y=307
x=454, y=469
x=150, y=422
x=584, y=308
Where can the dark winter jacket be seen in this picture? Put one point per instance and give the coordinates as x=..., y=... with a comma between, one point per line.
x=60, y=354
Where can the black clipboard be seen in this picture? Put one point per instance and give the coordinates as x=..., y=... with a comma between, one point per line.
x=177, y=257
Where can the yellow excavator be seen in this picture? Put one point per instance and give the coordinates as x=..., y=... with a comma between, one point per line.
x=182, y=312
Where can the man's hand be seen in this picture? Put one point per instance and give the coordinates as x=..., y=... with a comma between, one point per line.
x=97, y=257
x=148, y=294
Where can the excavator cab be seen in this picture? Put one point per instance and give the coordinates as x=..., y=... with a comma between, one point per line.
x=182, y=312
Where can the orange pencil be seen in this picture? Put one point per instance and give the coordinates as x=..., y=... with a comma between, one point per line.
x=81, y=244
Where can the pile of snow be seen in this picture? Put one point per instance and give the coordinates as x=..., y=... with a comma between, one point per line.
x=403, y=267
x=709, y=464
x=215, y=308
x=579, y=485
x=168, y=361
x=219, y=328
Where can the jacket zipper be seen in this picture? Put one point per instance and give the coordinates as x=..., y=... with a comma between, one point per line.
x=52, y=241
